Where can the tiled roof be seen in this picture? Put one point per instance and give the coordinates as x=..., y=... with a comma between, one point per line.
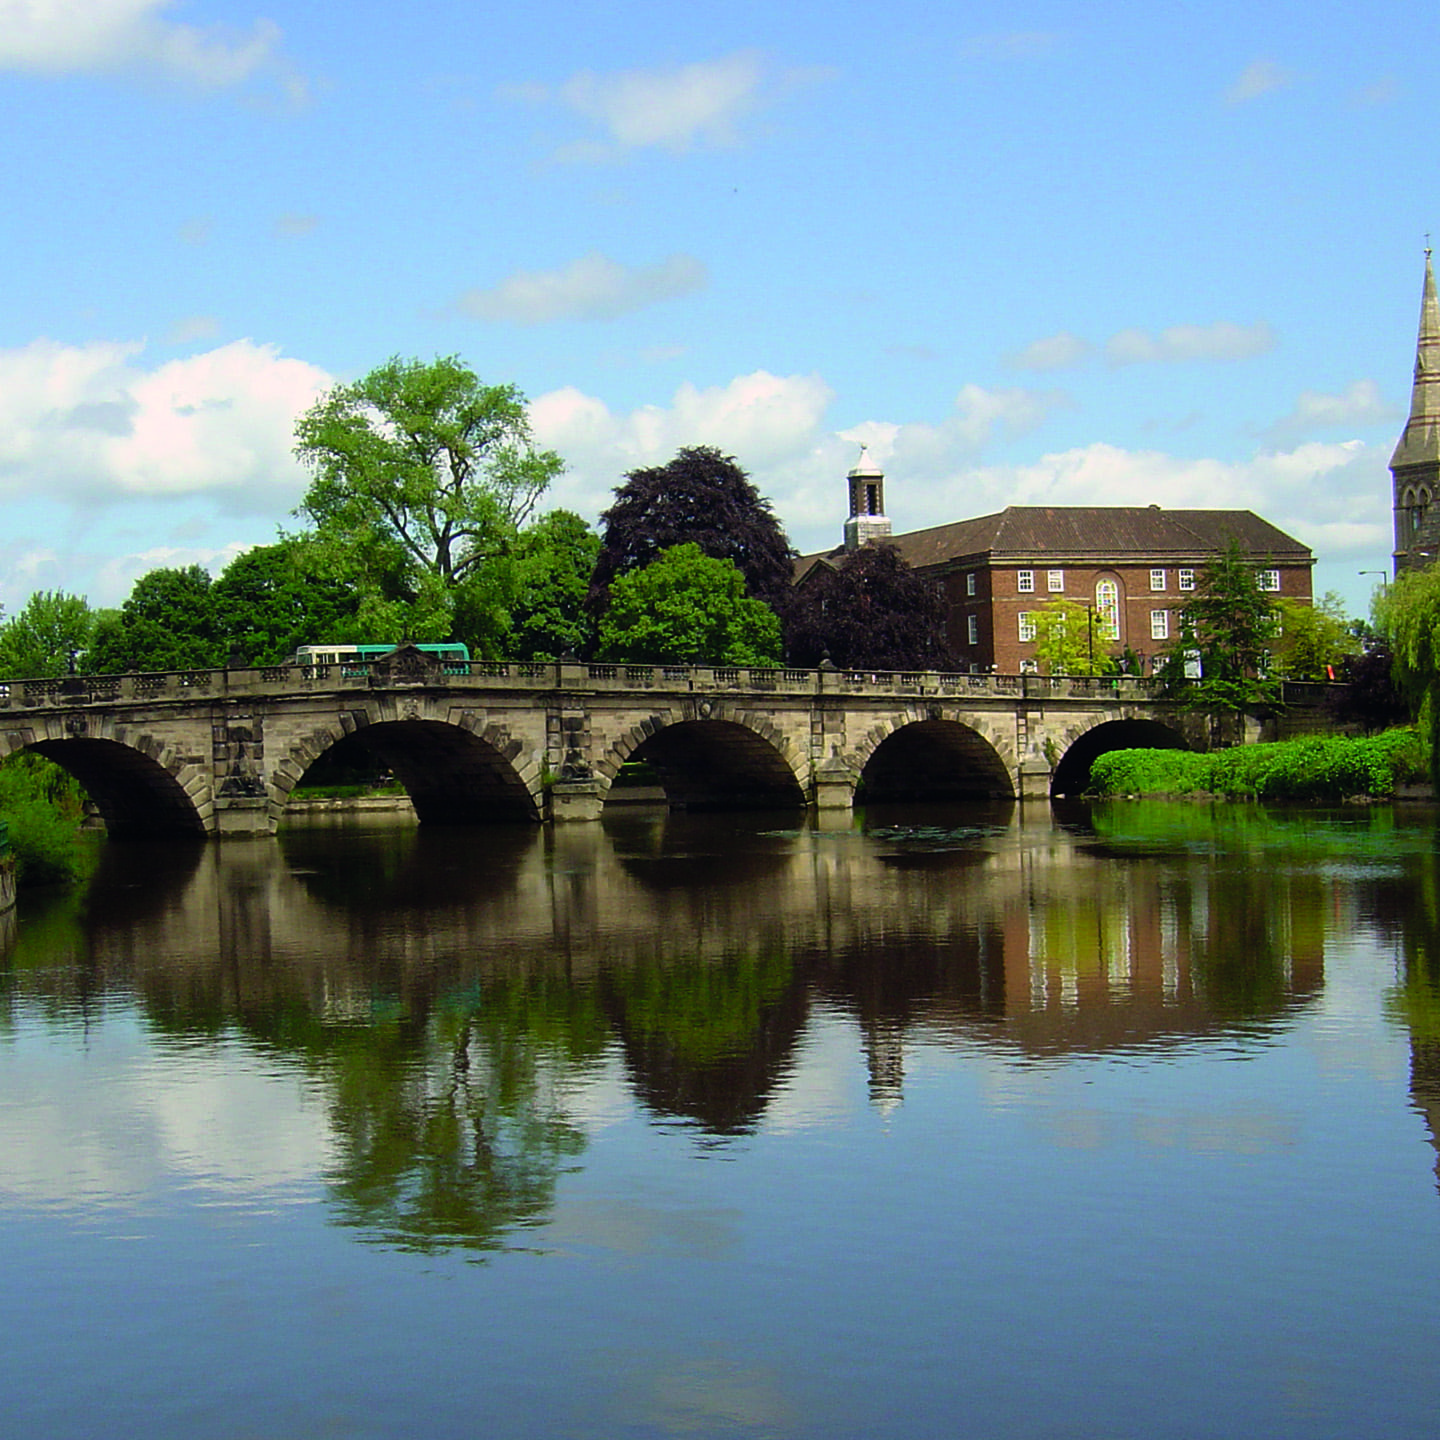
x=1091, y=532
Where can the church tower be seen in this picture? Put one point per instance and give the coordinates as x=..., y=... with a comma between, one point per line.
x=1415, y=465
x=867, y=503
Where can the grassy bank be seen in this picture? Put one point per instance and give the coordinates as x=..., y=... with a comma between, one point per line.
x=1331, y=767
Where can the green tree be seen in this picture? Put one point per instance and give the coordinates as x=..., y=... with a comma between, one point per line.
x=266, y=605
x=167, y=623
x=50, y=635
x=1407, y=613
x=554, y=559
x=1314, y=641
x=687, y=607
x=1230, y=626
x=422, y=477
x=1072, y=639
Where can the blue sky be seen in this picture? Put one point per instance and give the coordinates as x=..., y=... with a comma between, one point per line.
x=1031, y=254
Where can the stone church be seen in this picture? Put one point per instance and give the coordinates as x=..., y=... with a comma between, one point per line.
x=1415, y=465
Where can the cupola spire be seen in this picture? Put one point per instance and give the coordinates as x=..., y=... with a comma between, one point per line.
x=867, y=520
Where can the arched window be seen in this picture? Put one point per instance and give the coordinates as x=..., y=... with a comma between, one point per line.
x=1107, y=607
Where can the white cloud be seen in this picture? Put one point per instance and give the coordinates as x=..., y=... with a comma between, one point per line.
x=292, y=225
x=1180, y=343
x=1054, y=352
x=88, y=424
x=1383, y=91
x=1358, y=404
x=773, y=425
x=1016, y=45
x=1258, y=78
x=64, y=36
x=594, y=287
x=191, y=328
x=699, y=105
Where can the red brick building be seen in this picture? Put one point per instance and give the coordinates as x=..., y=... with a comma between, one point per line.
x=1135, y=565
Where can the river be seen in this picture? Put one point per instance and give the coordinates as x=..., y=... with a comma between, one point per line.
x=1096, y=1122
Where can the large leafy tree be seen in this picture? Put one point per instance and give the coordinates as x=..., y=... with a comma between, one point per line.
x=688, y=608
x=168, y=622
x=1314, y=641
x=1072, y=639
x=700, y=498
x=422, y=476
x=554, y=559
x=870, y=612
x=1232, y=627
x=48, y=636
x=266, y=605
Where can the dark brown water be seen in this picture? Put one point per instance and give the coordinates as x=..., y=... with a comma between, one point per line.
x=1111, y=1123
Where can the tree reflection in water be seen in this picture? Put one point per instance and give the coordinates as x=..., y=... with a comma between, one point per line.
x=450, y=994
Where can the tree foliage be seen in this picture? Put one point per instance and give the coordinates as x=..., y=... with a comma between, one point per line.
x=168, y=622
x=1370, y=697
x=49, y=636
x=554, y=559
x=1231, y=625
x=687, y=607
x=871, y=612
x=1313, y=641
x=700, y=498
x=1407, y=613
x=422, y=477
x=266, y=605
x=1072, y=639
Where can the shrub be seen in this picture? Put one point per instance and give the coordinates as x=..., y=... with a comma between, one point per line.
x=1317, y=768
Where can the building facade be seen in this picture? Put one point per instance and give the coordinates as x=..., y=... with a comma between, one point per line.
x=1134, y=566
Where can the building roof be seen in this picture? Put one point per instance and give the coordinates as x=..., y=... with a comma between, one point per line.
x=1089, y=533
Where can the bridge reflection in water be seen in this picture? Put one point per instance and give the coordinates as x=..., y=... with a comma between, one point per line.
x=450, y=994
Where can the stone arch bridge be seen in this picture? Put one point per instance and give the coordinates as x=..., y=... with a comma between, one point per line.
x=218, y=752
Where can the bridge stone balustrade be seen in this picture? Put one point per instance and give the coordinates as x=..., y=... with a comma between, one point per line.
x=218, y=752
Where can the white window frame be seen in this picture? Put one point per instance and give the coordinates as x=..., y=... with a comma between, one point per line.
x=1027, y=625
x=972, y=629
x=1187, y=579
x=970, y=583
x=1270, y=581
x=1025, y=581
x=1108, y=608
x=1159, y=624
x=1157, y=582
x=1055, y=581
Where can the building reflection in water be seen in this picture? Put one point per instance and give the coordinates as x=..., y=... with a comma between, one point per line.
x=452, y=993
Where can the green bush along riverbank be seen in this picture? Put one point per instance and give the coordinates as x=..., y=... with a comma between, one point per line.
x=1333, y=767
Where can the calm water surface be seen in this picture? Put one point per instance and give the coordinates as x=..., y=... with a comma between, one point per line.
x=1108, y=1123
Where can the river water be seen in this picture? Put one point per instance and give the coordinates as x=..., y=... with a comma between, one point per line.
x=1109, y=1122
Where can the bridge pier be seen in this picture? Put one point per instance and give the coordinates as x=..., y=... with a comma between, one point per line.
x=242, y=816
x=571, y=800
x=1033, y=778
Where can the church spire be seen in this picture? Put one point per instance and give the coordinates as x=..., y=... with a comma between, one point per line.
x=1415, y=464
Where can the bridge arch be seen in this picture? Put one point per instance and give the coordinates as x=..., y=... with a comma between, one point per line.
x=141, y=786
x=1083, y=744
x=713, y=758
x=935, y=754
x=455, y=771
